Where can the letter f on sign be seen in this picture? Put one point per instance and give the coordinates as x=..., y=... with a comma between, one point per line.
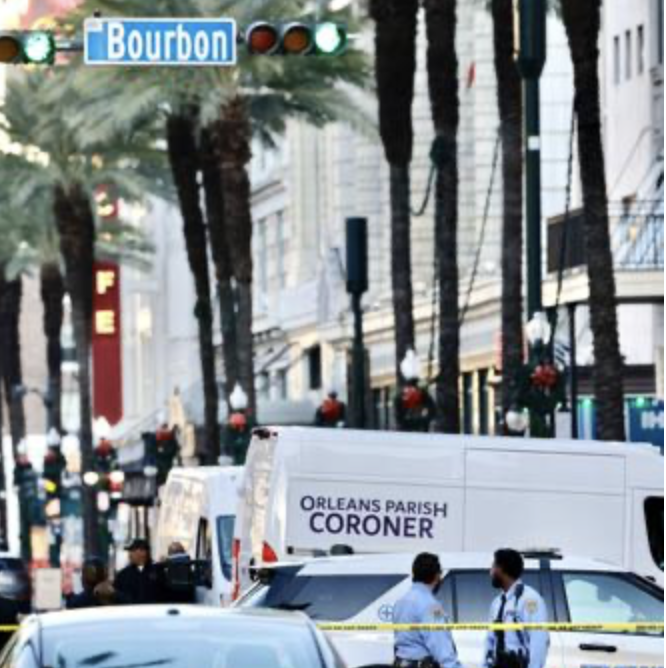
x=116, y=45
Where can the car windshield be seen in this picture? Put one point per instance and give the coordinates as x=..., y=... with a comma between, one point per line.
x=189, y=644
x=225, y=537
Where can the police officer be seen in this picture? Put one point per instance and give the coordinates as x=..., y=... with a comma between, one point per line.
x=517, y=604
x=423, y=649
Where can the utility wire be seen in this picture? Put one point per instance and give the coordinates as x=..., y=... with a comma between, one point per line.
x=482, y=234
x=475, y=266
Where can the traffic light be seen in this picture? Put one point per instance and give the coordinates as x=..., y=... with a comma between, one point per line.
x=295, y=38
x=27, y=47
x=54, y=465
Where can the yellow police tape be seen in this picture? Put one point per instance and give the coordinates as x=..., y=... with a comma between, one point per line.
x=634, y=627
x=617, y=627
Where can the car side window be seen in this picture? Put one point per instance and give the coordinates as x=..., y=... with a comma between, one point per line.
x=472, y=595
x=609, y=598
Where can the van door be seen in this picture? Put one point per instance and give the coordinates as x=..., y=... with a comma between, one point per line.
x=204, y=552
x=647, y=537
x=607, y=597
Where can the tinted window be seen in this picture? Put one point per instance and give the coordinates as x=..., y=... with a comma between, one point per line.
x=654, y=521
x=605, y=597
x=225, y=537
x=328, y=597
x=473, y=594
x=11, y=564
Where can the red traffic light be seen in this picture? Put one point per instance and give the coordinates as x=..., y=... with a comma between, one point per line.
x=10, y=49
x=262, y=38
x=297, y=39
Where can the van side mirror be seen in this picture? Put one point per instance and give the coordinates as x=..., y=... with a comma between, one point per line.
x=186, y=574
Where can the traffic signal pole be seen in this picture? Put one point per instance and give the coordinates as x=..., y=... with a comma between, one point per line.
x=533, y=194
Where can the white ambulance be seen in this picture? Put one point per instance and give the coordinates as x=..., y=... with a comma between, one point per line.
x=198, y=509
x=306, y=490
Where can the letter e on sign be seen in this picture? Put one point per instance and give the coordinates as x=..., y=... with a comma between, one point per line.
x=105, y=322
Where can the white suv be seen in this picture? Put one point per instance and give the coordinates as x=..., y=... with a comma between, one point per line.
x=363, y=589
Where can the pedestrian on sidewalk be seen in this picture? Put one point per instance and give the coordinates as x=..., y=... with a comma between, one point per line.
x=93, y=574
x=139, y=582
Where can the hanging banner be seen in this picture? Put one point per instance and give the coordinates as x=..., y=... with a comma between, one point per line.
x=107, y=344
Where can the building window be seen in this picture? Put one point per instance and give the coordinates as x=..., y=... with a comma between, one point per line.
x=281, y=248
x=616, y=60
x=483, y=402
x=282, y=384
x=627, y=55
x=314, y=367
x=263, y=255
x=468, y=403
x=640, y=51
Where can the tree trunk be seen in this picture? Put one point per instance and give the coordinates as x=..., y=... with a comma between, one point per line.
x=509, y=103
x=53, y=293
x=233, y=144
x=395, y=65
x=582, y=24
x=213, y=190
x=184, y=160
x=16, y=434
x=10, y=310
x=442, y=63
x=76, y=228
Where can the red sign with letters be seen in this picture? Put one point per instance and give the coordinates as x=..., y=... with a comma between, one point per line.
x=107, y=344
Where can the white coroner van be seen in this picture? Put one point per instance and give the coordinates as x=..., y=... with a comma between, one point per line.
x=306, y=490
x=198, y=509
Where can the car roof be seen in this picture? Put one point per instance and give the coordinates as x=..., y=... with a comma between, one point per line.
x=127, y=615
x=402, y=563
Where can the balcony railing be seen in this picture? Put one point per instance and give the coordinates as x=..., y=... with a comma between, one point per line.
x=638, y=236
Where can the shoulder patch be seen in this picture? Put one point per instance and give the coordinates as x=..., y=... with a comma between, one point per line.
x=438, y=613
x=531, y=605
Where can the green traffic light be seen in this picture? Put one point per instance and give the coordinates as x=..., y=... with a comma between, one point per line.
x=39, y=48
x=329, y=38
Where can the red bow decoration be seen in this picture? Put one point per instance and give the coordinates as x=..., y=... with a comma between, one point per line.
x=412, y=397
x=104, y=449
x=331, y=410
x=545, y=376
x=238, y=421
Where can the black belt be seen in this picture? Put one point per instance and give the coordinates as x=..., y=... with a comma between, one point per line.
x=416, y=663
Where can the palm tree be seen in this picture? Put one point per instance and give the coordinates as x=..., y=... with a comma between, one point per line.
x=181, y=132
x=582, y=21
x=442, y=63
x=53, y=162
x=509, y=104
x=395, y=65
x=224, y=109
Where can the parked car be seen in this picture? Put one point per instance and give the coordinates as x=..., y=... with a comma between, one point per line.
x=174, y=636
x=364, y=589
x=307, y=490
x=15, y=589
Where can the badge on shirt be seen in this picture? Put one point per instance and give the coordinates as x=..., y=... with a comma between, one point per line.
x=531, y=606
x=438, y=614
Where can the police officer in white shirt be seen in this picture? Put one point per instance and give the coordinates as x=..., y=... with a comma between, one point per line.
x=517, y=604
x=423, y=649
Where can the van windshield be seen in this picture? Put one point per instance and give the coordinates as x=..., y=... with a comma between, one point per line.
x=654, y=522
x=225, y=537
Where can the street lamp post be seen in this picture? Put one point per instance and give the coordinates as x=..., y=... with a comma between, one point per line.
x=530, y=41
x=238, y=429
x=357, y=285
